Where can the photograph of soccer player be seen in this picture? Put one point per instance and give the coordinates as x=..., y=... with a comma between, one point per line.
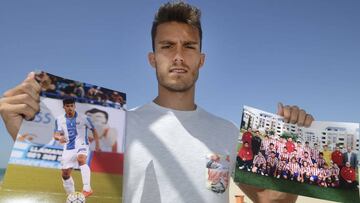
x=72, y=129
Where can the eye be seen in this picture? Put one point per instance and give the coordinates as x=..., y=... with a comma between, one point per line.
x=190, y=47
x=166, y=46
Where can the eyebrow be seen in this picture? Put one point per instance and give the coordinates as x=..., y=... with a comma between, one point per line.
x=172, y=42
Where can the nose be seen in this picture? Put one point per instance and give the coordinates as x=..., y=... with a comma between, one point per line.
x=179, y=57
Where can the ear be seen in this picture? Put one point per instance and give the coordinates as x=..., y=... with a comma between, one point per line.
x=151, y=58
x=202, y=60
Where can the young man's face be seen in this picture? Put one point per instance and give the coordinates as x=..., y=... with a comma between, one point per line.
x=177, y=57
x=69, y=109
x=97, y=118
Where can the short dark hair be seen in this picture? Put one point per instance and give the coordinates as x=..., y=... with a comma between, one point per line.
x=95, y=110
x=68, y=100
x=177, y=12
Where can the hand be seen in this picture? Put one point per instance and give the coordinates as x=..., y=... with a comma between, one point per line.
x=258, y=195
x=295, y=115
x=97, y=148
x=20, y=102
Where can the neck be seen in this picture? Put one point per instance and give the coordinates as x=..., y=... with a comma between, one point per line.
x=182, y=101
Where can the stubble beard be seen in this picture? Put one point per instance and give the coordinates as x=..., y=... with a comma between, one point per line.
x=179, y=86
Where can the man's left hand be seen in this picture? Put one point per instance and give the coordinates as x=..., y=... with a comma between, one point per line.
x=295, y=115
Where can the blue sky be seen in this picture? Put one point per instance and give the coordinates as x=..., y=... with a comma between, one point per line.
x=257, y=52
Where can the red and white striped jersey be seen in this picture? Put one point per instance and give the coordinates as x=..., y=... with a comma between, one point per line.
x=335, y=171
x=308, y=160
x=306, y=169
x=282, y=165
x=265, y=144
x=272, y=161
x=293, y=167
x=284, y=156
x=325, y=172
x=300, y=151
x=315, y=171
x=259, y=159
x=315, y=153
x=307, y=149
x=280, y=146
x=320, y=162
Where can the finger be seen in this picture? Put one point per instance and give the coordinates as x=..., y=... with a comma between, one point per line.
x=29, y=86
x=23, y=109
x=22, y=99
x=308, y=120
x=301, y=117
x=287, y=113
x=280, y=111
x=294, y=113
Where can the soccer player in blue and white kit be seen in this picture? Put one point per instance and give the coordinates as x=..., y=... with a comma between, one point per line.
x=72, y=130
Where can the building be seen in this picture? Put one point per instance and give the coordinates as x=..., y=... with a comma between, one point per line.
x=323, y=133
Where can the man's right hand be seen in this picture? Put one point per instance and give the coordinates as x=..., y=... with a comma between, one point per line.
x=20, y=102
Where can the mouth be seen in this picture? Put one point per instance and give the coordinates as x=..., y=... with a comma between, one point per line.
x=178, y=70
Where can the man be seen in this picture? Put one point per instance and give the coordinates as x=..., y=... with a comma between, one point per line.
x=315, y=171
x=294, y=169
x=351, y=157
x=258, y=164
x=337, y=157
x=269, y=150
x=348, y=176
x=290, y=145
x=71, y=129
x=314, y=152
x=168, y=139
x=280, y=144
x=335, y=172
x=265, y=144
x=307, y=148
x=256, y=143
x=247, y=136
x=324, y=178
x=305, y=172
x=327, y=154
x=284, y=155
x=245, y=157
x=320, y=161
x=272, y=163
x=299, y=149
x=306, y=158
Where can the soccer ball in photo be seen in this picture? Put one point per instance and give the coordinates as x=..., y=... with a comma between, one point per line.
x=76, y=197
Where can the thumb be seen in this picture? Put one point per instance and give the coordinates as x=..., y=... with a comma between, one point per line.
x=280, y=110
